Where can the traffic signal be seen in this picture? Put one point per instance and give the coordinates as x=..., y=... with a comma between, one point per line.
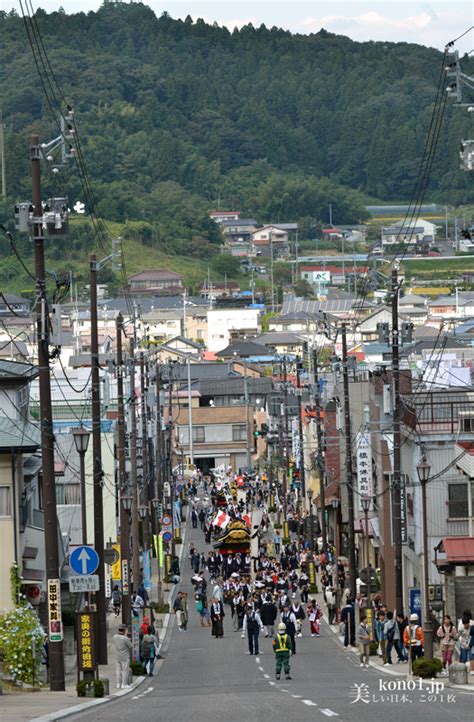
x=256, y=433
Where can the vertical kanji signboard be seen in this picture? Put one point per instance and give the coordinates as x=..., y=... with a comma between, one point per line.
x=55, y=625
x=86, y=641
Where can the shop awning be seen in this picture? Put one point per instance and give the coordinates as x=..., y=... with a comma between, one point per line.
x=331, y=491
x=457, y=550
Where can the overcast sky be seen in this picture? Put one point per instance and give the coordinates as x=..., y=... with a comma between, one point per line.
x=432, y=23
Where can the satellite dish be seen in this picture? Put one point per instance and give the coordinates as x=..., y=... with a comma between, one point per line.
x=79, y=207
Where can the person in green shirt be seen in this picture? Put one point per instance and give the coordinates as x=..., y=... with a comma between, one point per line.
x=282, y=647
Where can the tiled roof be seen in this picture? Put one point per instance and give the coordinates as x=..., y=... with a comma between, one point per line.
x=18, y=435
x=10, y=370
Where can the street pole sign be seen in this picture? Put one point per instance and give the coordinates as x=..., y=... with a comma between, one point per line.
x=55, y=625
x=80, y=584
x=86, y=646
x=125, y=588
x=84, y=560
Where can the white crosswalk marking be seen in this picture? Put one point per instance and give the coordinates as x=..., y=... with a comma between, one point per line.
x=329, y=712
x=309, y=702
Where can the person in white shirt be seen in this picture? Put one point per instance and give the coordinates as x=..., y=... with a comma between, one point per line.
x=252, y=626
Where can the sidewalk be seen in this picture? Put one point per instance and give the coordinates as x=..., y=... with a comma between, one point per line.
x=45, y=706
x=376, y=662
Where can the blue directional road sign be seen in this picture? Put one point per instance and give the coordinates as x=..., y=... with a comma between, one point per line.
x=84, y=560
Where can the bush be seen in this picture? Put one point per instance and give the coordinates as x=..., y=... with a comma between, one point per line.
x=137, y=668
x=277, y=525
x=286, y=540
x=160, y=608
x=178, y=540
x=85, y=684
x=373, y=648
x=313, y=589
x=271, y=509
x=426, y=668
x=18, y=629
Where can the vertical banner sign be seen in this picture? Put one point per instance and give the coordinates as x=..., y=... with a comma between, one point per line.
x=168, y=565
x=147, y=569
x=370, y=621
x=86, y=641
x=135, y=639
x=155, y=547
x=160, y=551
x=403, y=510
x=116, y=566
x=311, y=574
x=415, y=602
x=125, y=588
x=55, y=626
x=365, y=482
x=108, y=584
x=286, y=531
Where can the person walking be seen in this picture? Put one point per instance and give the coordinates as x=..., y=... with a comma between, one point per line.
x=392, y=635
x=123, y=650
x=447, y=633
x=217, y=618
x=149, y=650
x=252, y=626
x=331, y=603
x=180, y=608
x=380, y=634
x=364, y=641
x=314, y=616
x=116, y=600
x=414, y=638
x=268, y=615
x=289, y=620
x=194, y=518
x=282, y=650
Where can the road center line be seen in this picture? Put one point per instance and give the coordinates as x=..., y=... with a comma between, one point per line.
x=309, y=702
x=257, y=659
x=296, y=696
x=329, y=713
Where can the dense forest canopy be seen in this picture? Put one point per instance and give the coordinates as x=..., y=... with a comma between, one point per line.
x=177, y=117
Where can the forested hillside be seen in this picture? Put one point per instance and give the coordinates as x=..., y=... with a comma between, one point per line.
x=178, y=117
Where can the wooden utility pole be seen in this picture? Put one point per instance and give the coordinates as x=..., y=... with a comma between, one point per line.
x=349, y=469
x=319, y=461
x=133, y=473
x=56, y=651
x=300, y=432
x=97, y=467
x=124, y=515
x=145, y=496
x=396, y=477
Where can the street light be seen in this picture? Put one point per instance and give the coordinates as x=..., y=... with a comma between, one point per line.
x=309, y=494
x=142, y=512
x=423, y=470
x=127, y=502
x=81, y=437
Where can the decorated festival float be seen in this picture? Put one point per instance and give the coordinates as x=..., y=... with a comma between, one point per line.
x=234, y=538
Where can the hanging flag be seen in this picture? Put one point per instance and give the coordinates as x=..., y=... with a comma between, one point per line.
x=247, y=520
x=222, y=519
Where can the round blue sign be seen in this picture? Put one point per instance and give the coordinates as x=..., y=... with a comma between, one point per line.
x=167, y=536
x=84, y=560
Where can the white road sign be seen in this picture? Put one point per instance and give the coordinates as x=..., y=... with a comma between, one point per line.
x=77, y=585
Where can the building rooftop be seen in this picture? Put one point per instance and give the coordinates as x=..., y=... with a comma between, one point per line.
x=18, y=436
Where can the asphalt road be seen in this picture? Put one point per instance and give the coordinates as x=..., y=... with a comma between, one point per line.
x=204, y=679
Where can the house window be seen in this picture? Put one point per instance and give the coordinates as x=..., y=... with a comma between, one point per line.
x=198, y=434
x=5, y=501
x=457, y=500
x=239, y=432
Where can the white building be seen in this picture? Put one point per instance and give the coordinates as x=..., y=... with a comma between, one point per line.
x=221, y=321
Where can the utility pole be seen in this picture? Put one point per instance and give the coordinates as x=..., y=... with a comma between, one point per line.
x=158, y=463
x=124, y=516
x=396, y=478
x=98, y=472
x=169, y=455
x=349, y=469
x=133, y=472
x=146, y=480
x=247, y=420
x=319, y=436
x=300, y=430
x=190, y=415
x=56, y=651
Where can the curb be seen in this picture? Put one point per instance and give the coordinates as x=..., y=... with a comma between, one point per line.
x=385, y=670
x=76, y=709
